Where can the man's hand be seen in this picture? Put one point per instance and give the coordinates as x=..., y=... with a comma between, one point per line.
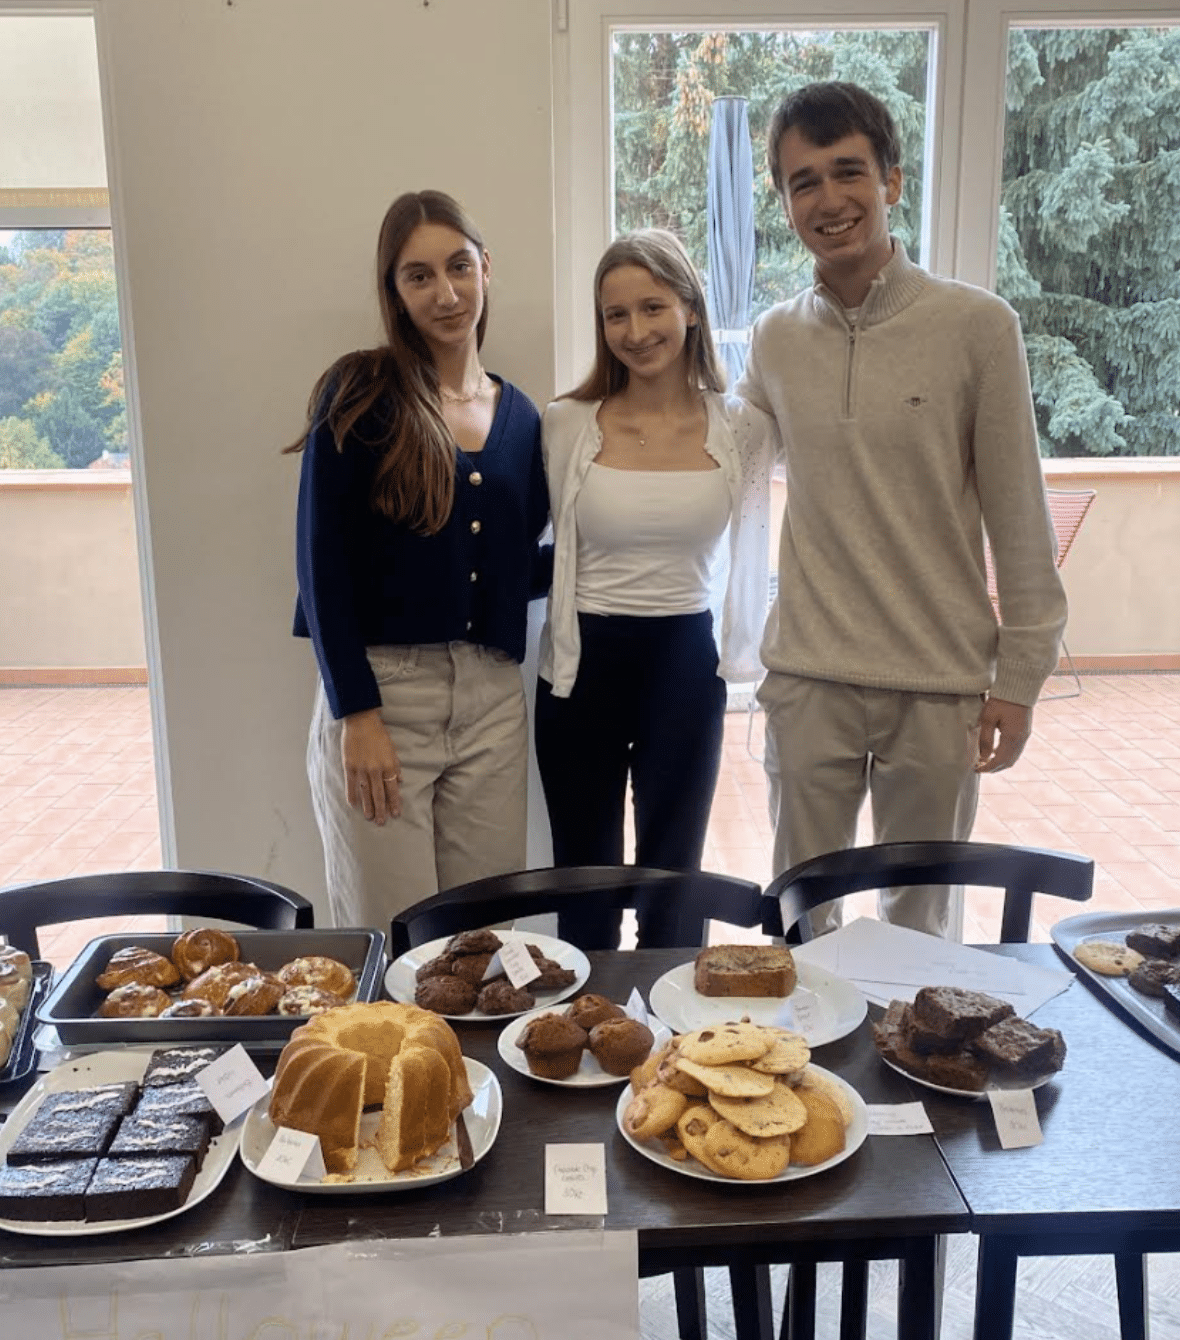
x=1004, y=729
x=371, y=768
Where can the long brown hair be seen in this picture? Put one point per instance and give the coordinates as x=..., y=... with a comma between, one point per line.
x=415, y=482
x=661, y=254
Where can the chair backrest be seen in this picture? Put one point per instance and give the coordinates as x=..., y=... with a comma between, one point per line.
x=1067, y=511
x=149, y=893
x=676, y=904
x=1019, y=871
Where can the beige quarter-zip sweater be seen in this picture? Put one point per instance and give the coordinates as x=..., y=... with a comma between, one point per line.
x=905, y=434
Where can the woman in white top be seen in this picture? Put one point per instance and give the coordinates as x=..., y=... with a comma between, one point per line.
x=659, y=493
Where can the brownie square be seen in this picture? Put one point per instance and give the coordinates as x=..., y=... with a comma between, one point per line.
x=186, y=1099
x=1155, y=941
x=925, y=1040
x=958, y=1070
x=177, y=1064
x=1019, y=1048
x=70, y=1124
x=133, y=1188
x=952, y=1012
x=45, y=1190
x=145, y=1134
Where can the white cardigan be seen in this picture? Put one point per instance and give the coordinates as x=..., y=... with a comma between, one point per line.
x=744, y=442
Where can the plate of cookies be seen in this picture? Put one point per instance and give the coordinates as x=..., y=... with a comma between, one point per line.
x=964, y=1043
x=1134, y=961
x=210, y=985
x=460, y=978
x=592, y=1042
x=762, y=983
x=112, y=1141
x=741, y=1102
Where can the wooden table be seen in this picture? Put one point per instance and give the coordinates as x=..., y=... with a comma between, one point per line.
x=1105, y=1180
x=892, y=1199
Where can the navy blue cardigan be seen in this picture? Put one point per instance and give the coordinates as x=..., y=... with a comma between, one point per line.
x=365, y=581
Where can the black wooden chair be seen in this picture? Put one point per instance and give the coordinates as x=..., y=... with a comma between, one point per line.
x=675, y=904
x=26, y=908
x=1021, y=872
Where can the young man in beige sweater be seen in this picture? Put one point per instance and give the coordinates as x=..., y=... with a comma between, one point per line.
x=907, y=421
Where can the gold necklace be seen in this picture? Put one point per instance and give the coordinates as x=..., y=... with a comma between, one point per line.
x=454, y=399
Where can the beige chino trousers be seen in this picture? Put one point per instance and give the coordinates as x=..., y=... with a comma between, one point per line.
x=456, y=714
x=829, y=744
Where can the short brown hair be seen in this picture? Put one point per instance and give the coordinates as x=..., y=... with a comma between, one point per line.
x=824, y=113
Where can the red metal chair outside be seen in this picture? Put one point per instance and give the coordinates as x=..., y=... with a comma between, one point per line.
x=1067, y=510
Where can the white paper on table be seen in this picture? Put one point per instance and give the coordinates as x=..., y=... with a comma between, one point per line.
x=892, y=962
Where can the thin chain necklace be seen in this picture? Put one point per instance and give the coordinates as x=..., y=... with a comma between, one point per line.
x=454, y=399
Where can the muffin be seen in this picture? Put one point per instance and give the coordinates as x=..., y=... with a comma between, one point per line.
x=501, y=997
x=552, y=1046
x=445, y=995
x=619, y=1045
x=590, y=1009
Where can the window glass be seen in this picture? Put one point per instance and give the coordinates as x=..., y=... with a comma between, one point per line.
x=1089, y=234
x=663, y=86
x=61, y=357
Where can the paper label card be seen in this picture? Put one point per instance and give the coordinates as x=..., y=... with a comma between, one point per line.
x=575, y=1179
x=635, y=1008
x=292, y=1155
x=1015, y=1113
x=899, y=1119
x=518, y=963
x=233, y=1083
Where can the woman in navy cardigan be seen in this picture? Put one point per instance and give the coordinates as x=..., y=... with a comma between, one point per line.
x=421, y=501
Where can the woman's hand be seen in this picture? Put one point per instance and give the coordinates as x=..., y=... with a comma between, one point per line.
x=371, y=768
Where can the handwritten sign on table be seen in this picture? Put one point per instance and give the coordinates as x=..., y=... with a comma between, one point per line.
x=579, y=1286
x=1015, y=1112
x=575, y=1179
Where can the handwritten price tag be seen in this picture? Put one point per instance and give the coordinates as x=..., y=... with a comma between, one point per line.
x=899, y=1119
x=1015, y=1113
x=291, y=1155
x=575, y=1179
x=232, y=1083
x=517, y=962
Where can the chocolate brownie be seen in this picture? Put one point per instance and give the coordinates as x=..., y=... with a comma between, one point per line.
x=45, y=1190
x=133, y=1188
x=186, y=1099
x=924, y=1040
x=953, y=1012
x=958, y=1070
x=1155, y=941
x=1016, y=1047
x=76, y=1123
x=177, y=1064
x=1153, y=974
x=144, y=1134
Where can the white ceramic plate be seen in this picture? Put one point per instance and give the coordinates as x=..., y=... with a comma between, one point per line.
x=971, y=1093
x=400, y=980
x=112, y=1067
x=822, y=1007
x=482, y=1120
x=589, y=1075
x=655, y=1150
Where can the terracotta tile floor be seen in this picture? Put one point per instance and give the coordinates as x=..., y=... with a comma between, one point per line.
x=1101, y=776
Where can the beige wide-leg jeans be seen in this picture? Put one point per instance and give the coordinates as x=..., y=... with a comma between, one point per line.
x=456, y=714
x=828, y=744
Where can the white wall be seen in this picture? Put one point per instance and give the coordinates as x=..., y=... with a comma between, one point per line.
x=253, y=146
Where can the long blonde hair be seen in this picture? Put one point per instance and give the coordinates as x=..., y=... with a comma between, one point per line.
x=398, y=382
x=661, y=254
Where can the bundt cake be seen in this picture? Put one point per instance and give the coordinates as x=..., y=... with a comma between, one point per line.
x=362, y=1055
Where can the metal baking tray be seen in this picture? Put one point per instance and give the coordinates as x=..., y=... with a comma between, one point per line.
x=23, y=1057
x=1146, y=1010
x=72, y=1008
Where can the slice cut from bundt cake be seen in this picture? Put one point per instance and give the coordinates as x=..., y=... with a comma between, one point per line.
x=415, y=1118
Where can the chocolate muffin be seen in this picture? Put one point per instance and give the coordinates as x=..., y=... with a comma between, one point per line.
x=590, y=1009
x=504, y=998
x=619, y=1045
x=552, y=1046
x=446, y=995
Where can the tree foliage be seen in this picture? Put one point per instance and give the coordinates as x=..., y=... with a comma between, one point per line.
x=61, y=362
x=1089, y=228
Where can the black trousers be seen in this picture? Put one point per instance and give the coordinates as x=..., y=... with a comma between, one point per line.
x=647, y=701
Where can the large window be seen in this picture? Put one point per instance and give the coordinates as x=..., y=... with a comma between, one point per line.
x=1089, y=233
x=663, y=88
x=61, y=358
